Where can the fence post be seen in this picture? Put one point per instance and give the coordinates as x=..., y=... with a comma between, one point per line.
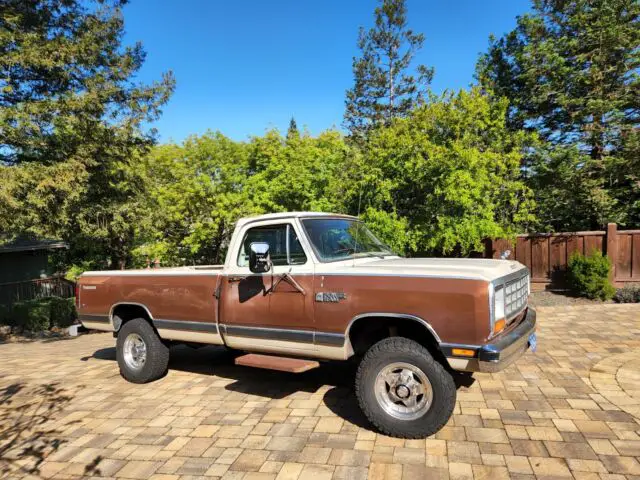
x=612, y=247
x=488, y=248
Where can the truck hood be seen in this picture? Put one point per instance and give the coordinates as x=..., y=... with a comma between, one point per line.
x=469, y=268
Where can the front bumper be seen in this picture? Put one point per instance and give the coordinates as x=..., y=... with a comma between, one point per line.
x=497, y=355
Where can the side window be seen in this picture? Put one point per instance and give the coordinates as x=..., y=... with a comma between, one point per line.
x=296, y=252
x=280, y=238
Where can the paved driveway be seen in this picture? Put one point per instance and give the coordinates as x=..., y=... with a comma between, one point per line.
x=572, y=409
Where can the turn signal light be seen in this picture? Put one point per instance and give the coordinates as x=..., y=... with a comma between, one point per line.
x=463, y=352
x=499, y=326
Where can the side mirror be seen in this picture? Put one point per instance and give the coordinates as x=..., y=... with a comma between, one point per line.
x=259, y=259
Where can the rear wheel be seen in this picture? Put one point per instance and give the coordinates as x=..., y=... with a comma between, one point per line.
x=142, y=357
x=402, y=390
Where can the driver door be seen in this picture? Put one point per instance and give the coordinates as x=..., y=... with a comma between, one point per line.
x=262, y=311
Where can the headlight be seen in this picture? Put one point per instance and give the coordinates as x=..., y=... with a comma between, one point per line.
x=507, y=298
x=498, y=318
x=498, y=301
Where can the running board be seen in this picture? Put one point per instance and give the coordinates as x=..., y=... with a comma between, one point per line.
x=273, y=362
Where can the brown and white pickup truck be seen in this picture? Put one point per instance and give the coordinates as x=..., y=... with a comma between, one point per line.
x=298, y=288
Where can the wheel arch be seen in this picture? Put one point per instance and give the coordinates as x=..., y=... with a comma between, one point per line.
x=125, y=311
x=367, y=328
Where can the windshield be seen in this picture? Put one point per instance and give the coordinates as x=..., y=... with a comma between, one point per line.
x=338, y=239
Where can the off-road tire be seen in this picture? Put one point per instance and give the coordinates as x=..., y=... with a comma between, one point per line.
x=400, y=349
x=157, y=353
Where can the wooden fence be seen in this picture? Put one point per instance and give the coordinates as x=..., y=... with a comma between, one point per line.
x=547, y=254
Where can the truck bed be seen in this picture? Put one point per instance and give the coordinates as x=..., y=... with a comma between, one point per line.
x=177, y=299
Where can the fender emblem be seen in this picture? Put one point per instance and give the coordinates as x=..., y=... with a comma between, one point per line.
x=332, y=297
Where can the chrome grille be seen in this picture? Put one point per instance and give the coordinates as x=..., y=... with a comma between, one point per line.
x=515, y=298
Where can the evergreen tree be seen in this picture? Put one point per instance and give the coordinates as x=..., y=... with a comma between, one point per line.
x=570, y=72
x=71, y=120
x=384, y=87
x=292, y=131
x=66, y=86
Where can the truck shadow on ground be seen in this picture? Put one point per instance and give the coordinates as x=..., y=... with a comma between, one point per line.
x=274, y=385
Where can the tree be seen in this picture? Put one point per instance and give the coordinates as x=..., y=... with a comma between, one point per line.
x=570, y=72
x=568, y=198
x=198, y=190
x=383, y=87
x=309, y=174
x=71, y=120
x=195, y=193
x=65, y=81
x=447, y=176
x=292, y=131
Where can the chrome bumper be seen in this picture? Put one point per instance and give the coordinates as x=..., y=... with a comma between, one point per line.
x=498, y=355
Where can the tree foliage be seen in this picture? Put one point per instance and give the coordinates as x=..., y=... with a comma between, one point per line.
x=66, y=88
x=197, y=190
x=71, y=121
x=305, y=173
x=292, y=131
x=570, y=72
x=549, y=139
x=384, y=87
x=450, y=174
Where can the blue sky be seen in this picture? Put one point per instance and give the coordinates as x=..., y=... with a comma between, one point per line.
x=245, y=66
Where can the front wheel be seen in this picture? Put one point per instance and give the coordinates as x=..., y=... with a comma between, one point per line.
x=142, y=357
x=402, y=390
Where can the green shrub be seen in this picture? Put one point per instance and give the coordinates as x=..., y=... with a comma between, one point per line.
x=589, y=276
x=40, y=314
x=628, y=294
x=5, y=317
x=16, y=314
x=76, y=270
x=62, y=311
x=32, y=315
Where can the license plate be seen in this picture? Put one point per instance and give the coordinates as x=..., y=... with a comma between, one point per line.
x=533, y=342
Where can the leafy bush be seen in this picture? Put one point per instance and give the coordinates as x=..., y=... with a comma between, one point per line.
x=32, y=315
x=62, y=311
x=4, y=315
x=589, y=276
x=15, y=314
x=75, y=270
x=628, y=294
x=40, y=314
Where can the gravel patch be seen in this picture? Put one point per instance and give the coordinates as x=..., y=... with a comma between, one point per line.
x=558, y=298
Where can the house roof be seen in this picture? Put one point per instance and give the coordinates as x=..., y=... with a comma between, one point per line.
x=22, y=244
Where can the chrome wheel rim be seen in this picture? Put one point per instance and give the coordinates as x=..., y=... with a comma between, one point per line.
x=403, y=391
x=135, y=351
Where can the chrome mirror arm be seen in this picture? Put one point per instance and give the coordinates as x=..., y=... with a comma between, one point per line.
x=289, y=279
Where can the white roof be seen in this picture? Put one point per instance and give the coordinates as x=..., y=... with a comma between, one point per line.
x=282, y=215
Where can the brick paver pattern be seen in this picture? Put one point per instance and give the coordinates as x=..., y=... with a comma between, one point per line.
x=570, y=410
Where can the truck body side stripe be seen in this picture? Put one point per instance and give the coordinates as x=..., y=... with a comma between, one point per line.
x=90, y=317
x=185, y=325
